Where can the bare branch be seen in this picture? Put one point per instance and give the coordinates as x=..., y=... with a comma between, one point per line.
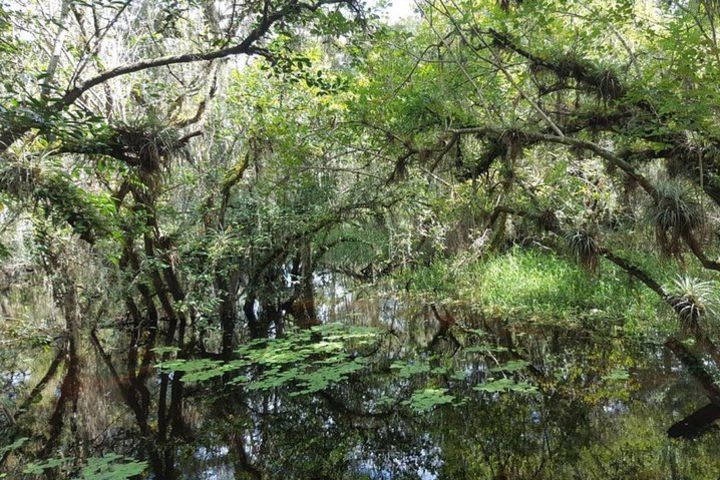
x=246, y=47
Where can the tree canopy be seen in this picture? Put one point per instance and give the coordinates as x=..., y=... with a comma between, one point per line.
x=292, y=239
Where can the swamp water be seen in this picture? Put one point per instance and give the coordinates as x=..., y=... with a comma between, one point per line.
x=389, y=392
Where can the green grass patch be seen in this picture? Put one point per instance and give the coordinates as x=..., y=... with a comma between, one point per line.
x=530, y=284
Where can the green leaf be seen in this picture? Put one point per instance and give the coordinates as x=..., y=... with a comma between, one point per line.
x=409, y=369
x=111, y=467
x=14, y=446
x=617, y=375
x=505, y=385
x=429, y=398
x=511, y=366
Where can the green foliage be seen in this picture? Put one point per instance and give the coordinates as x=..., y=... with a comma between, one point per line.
x=695, y=299
x=511, y=366
x=408, y=369
x=13, y=446
x=617, y=375
x=108, y=467
x=674, y=215
x=304, y=362
x=427, y=399
x=537, y=286
x=290, y=66
x=505, y=385
x=462, y=160
x=37, y=468
x=111, y=467
x=584, y=248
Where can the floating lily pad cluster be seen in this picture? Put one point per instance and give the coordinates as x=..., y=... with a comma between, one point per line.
x=107, y=467
x=307, y=361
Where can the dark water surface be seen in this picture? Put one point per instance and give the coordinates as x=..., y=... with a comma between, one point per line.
x=411, y=397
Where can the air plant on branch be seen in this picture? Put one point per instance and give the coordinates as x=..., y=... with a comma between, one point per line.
x=602, y=81
x=148, y=143
x=585, y=249
x=694, y=300
x=673, y=216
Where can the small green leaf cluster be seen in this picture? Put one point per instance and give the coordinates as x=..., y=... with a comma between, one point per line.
x=428, y=398
x=305, y=361
x=108, y=467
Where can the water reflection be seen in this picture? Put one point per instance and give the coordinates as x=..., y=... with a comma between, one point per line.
x=599, y=407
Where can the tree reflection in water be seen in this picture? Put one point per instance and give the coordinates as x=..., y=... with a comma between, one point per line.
x=591, y=404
